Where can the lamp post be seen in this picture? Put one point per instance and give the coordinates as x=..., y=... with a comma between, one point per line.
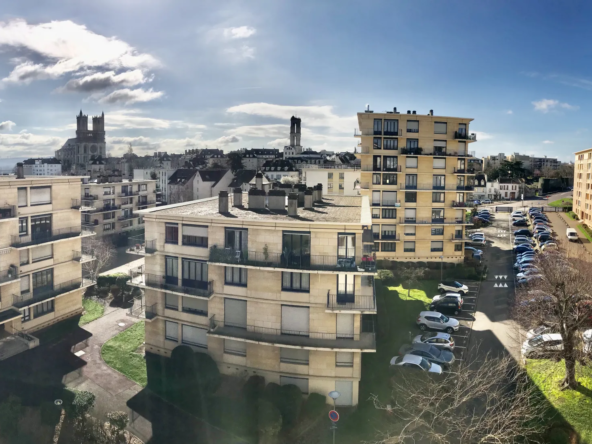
x=441, y=268
x=334, y=395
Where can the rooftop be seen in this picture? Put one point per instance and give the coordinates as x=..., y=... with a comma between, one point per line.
x=334, y=209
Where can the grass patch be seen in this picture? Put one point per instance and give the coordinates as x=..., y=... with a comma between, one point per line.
x=572, y=215
x=585, y=231
x=565, y=202
x=120, y=353
x=574, y=405
x=92, y=310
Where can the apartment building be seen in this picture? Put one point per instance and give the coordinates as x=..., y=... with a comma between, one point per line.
x=110, y=204
x=582, y=187
x=281, y=292
x=42, y=167
x=41, y=256
x=344, y=181
x=415, y=171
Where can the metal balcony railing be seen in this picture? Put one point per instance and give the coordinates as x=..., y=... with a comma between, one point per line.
x=7, y=211
x=352, y=302
x=203, y=289
x=90, y=197
x=85, y=255
x=9, y=274
x=465, y=187
x=76, y=204
x=405, y=187
x=461, y=204
x=127, y=216
x=412, y=151
x=40, y=238
x=464, y=170
x=39, y=295
x=289, y=260
x=461, y=135
x=433, y=220
x=390, y=237
x=391, y=203
x=365, y=340
x=377, y=169
x=127, y=194
x=151, y=311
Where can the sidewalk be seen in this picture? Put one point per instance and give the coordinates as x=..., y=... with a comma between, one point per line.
x=560, y=223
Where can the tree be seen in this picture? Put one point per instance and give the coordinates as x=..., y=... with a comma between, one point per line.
x=236, y=161
x=101, y=250
x=180, y=193
x=487, y=400
x=292, y=180
x=560, y=299
x=412, y=275
x=10, y=412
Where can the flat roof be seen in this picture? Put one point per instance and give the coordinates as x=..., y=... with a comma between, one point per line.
x=12, y=180
x=583, y=151
x=403, y=114
x=334, y=209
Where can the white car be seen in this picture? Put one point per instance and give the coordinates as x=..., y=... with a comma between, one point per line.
x=549, y=246
x=453, y=287
x=542, y=345
x=477, y=233
x=416, y=362
x=538, y=331
x=486, y=202
x=572, y=234
x=437, y=321
x=437, y=339
x=518, y=213
x=477, y=241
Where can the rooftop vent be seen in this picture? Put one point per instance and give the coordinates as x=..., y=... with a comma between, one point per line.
x=276, y=200
x=431, y=112
x=308, y=204
x=256, y=199
x=414, y=112
x=223, y=202
x=20, y=171
x=408, y=112
x=293, y=204
x=237, y=200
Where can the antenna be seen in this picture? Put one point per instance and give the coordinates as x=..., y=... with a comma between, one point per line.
x=367, y=107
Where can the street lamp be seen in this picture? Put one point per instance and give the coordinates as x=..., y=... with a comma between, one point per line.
x=334, y=395
x=441, y=268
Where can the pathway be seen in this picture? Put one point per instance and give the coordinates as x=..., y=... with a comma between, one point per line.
x=560, y=223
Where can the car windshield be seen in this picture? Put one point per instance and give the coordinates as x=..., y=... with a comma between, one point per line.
x=536, y=341
x=457, y=284
x=539, y=330
x=425, y=364
x=427, y=336
x=445, y=319
x=434, y=351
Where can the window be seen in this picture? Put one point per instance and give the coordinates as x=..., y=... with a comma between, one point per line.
x=25, y=284
x=171, y=301
x=346, y=245
x=391, y=144
x=295, y=320
x=341, y=186
x=236, y=239
x=389, y=246
x=195, y=306
x=412, y=144
x=378, y=127
x=43, y=280
x=171, y=270
x=439, y=182
x=462, y=129
x=376, y=198
x=143, y=187
x=171, y=233
x=390, y=163
x=344, y=359
x=376, y=163
x=301, y=383
x=23, y=228
x=389, y=198
x=391, y=127
x=413, y=126
x=295, y=281
x=42, y=253
x=409, y=230
x=375, y=213
x=235, y=276
x=409, y=247
x=22, y=197
x=197, y=337
x=410, y=196
x=195, y=273
x=171, y=331
x=376, y=231
x=44, y=308
x=293, y=356
x=389, y=232
x=389, y=213
x=235, y=313
x=26, y=314
x=437, y=215
x=330, y=186
x=108, y=227
x=345, y=284
x=411, y=162
x=296, y=248
x=440, y=128
x=410, y=214
x=439, y=163
x=457, y=247
x=24, y=256
x=232, y=347
x=437, y=231
x=375, y=179
x=437, y=197
x=377, y=143
x=40, y=195
x=411, y=181
x=388, y=179
x=341, y=176
x=107, y=191
x=437, y=246
x=330, y=176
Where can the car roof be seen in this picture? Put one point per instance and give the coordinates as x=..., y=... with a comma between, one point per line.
x=551, y=336
x=421, y=346
x=430, y=313
x=411, y=359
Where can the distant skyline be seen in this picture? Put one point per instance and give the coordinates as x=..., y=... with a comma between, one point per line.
x=174, y=76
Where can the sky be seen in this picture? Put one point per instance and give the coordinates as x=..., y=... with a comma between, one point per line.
x=175, y=75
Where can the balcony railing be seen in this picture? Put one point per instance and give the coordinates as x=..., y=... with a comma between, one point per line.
x=365, y=185
x=391, y=203
x=412, y=151
x=85, y=255
x=76, y=204
x=389, y=237
x=290, y=260
x=90, y=197
x=461, y=204
x=9, y=274
x=352, y=302
x=405, y=187
x=43, y=294
x=457, y=238
x=203, y=289
x=104, y=209
x=127, y=194
x=308, y=339
x=7, y=211
x=465, y=187
x=433, y=220
x=151, y=311
x=127, y=216
x=461, y=135
x=464, y=170
x=396, y=169
x=40, y=238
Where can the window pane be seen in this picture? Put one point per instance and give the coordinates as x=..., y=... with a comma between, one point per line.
x=440, y=127
x=411, y=162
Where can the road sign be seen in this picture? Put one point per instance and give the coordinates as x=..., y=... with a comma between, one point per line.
x=333, y=416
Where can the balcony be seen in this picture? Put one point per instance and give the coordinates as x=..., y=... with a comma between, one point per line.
x=7, y=212
x=456, y=204
x=76, y=204
x=405, y=187
x=465, y=187
x=411, y=151
x=127, y=216
x=309, y=340
x=128, y=194
x=389, y=237
x=290, y=261
x=461, y=135
x=464, y=171
x=40, y=295
x=85, y=255
x=90, y=197
x=431, y=221
x=104, y=209
x=463, y=238
x=352, y=303
x=391, y=203
x=44, y=237
x=9, y=275
x=146, y=248
x=377, y=169
x=202, y=289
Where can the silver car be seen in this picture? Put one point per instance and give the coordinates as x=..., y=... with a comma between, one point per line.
x=416, y=362
x=437, y=339
x=437, y=321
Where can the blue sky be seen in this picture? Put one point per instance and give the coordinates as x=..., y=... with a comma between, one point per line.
x=172, y=75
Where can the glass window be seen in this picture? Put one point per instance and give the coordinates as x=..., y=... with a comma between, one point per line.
x=439, y=182
x=330, y=176
x=412, y=144
x=375, y=198
x=437, y=231
x=375, y=179
x=389, y=198
x=437, y=246
x=296, y=248
x=413, y=126
x=171, y=301
x=344, y=359
x=26, y=314
x=23, y=228
x=411, y=181
x=195, y=306
x=44, y=308
x=409, y=230
x=341, y=186
x=411, y=162
x=437, y=197
x=410, y=196
x=143, y=187
x=391, y=127
x=389, y=246
x=376, y=163
x=440, y=128
x=378, y=126
x=457, y=247
x=389, y=179
x=341, y=176
x=345, y=283
x=195, y=273
x=389, y=231
x=295, y=281
x=294, y=356
x=437, y=214
x=40, y=195
x=377, y=144
x=22, y=197
x=346, y=246
x=171, y=331
x=389, y=213
x=409, y=246
x=375, y=213
x=391, y=144
x=235, y=276
x=233, y=347
x=171, y=233
x=171, y=270
x=197, y=337
x=439, y=163
x=43, y=280
x=390, y=163
x=237, y=239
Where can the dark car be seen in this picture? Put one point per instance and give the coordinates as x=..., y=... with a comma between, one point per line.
x=523, y=232
x=429, y=352
x=522, y=248
x=448, y=303
x=481, y=219
x=520, y=223
x=544, y=238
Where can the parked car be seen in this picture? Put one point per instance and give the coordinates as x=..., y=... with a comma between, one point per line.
x=530, y=272
x=544, y=237
x=448, y=302
x=524, y=238
x=526, y=280
x=452, y=286
x=520, y=223
x=416, y=362
x=480, y=219
x=473, y=250
x=523, y=261
x=477, y=233
x=572, y=234
x=437, y=339
x=523, y=232
x=518, y=213
x=486, y=202
x=437, y=321
x=542, y=345
x=549, y=246
x=538, y=331
x=476, y=202
x=435, y=355
x=486, y=213
x=477, y=241
x=522, y=248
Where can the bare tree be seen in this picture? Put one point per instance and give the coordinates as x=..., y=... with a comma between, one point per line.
x=491, y=400
x=291, y=180
x=180, y=193
x=101, y=250
x=561, y=299
x=411, y=275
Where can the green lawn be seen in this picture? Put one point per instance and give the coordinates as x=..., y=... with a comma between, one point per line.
x=565, y=202
x=574, y=406
x=92, y=310
x=585, y=232
x=572, y=215
x=120, y=353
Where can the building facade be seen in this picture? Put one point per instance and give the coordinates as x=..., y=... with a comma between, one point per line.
x=162, y=181
x=415, y=172
x=343, y=181
x=77, y=152
x=110, y=205
x=582, y=186
x=282, y=293
x=41, y=258
x=42, y=167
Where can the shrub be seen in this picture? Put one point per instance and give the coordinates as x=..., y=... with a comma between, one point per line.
x=209, y=375
x=116, y=293
x=49, y=413
x=253, y=389
x=269, y=418
x=289, y=404
x=386, y=276
x=82, y=403
x=314, y=406
x=272, y=393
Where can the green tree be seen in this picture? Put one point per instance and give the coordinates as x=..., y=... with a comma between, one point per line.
x=412, y=275
x=236, y=161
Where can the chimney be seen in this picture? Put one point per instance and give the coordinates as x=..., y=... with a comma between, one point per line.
x=20, y=171
x=308, y=205
x=318, y=197
x=256, y=199
x=414, y=112
x=259, y=180
x=301, y=188
x=293, y=204
x=431, y=112
x=277, y=200
x=238, y=198
x=395, y=110
x=223, y=202
x=408, y=112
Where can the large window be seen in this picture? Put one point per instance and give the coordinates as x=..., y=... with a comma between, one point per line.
x=196, y=337
x=411, y=162
x=389, y=198
x=232, y=347
x=237, y=239
x=295, y=320
x=344, y=359
x=346, y=245
x=437, y=215
x=195, y=273
x=378, y=127
x=409, y=247
x=409, y=230
x=195, y=306
x=391, y=127
x=235, y=276
x=439, y=182
x=389, y=232
x=40, y=195
x=171, y=233
x=413, y=126
x=439, y=163
x=391, y=144
x=377, y=143
x=437, y=246
x=375, y=179
x=43, y=281
x=171, y=301
x=44, y=308
x=389, y=246
x=437, y=231
x=439, y=147
x=411, y=181
x=389, y=179
x=295, y=281
x=171, y=264
x=23, y=228
x=410, y=196
x=376, y=163
x=375, y=214
x=410, y=215
x=41, y=227
x=22, y=197
x=437, y=197
x=375, y=198
x=390, y=163
x=440, y=128
x=345, y=284
x=42, y=253
x=26, y=314
x=296, y=248
x=294, y=356
x=412, y=144
x=389, y=213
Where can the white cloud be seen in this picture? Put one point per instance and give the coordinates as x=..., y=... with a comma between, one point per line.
x=7, y=125
x=133, y=119
x=548, y=142
x=547, y=105
x=278, y=143
x=128, y=96
x=12, y=145
x=482, y=136
x=509, y=112
x=241, y=32
x=227, y=140
x=100, y=81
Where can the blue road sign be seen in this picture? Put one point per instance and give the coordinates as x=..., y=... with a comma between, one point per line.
x=333, y=416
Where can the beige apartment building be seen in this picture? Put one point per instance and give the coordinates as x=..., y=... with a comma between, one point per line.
x=582, y=189
x=280, y=291
x=415, y=172
x=41, y=257
x=110, y=204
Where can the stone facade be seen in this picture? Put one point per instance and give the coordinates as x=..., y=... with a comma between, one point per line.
x=77, y=153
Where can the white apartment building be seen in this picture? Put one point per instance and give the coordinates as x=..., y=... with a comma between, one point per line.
x=162, y=180
x=42, y=167
x=342, y=181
